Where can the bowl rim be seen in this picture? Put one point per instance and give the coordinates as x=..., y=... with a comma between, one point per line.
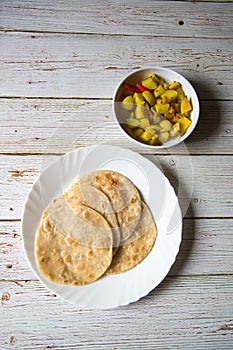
x=193, y=95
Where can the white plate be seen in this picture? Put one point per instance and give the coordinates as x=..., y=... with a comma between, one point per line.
x=121, y=289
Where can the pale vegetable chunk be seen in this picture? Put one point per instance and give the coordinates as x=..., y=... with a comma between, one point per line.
x=132, y=122
x=144, y=122
x=163, y=137
x=141, y=112
x=165, y=125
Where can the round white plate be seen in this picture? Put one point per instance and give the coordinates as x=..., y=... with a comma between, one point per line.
x=121, y=289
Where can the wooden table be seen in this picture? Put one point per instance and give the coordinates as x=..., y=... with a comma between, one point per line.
x=60, y=62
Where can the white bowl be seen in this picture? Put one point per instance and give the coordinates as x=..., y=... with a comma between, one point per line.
x=168, y=75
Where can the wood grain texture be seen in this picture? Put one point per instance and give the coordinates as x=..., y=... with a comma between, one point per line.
x=203, y=184
x=55, y=125
x=61, y=65
x=153, y=18
x=204, y=242
x=182, y=313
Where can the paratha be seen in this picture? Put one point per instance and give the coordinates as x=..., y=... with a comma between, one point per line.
x=138, y=246
x=98, y=226
x=97, y=200
x=123, y=195
x=73, y=248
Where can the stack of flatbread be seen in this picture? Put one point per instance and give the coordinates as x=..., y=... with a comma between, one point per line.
x=100, y=225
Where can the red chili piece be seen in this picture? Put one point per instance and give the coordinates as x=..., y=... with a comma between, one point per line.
x=142, y=88
x=131, y=87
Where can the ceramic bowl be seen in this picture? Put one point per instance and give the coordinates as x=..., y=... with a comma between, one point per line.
x=168, y=75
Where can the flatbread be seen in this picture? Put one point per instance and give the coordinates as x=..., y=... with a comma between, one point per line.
x=73, y=248
x=123, y=195
x=100, y=215
x=97, y=200
x=137, y=247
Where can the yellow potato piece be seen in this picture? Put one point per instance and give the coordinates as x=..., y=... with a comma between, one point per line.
x=180, y=92
x=150, y=129
x=137, y=132
x=174, y=133
x=164, y=99
x=162, y=108
x=177, y=126
x=158, y=91
x=170, y=95
x=185, y=105
x=165, y=125
x=127, y=103
x=132, y=122
x=144, y=122
x=138, y=98
x=156, y=119
x=184, y=124
x=155, y=78
x=154, y=140
x=149, y=97
x=174, y=85
x=146, y=136
x=141, y=112
x=156, y=127
x=164, y=136
x=150, y=83
x=131, y=115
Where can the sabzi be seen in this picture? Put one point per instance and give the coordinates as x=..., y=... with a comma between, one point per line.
x=154, y=112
